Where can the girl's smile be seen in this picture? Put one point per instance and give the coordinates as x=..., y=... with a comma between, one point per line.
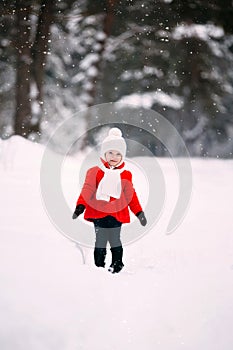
x=113, y=157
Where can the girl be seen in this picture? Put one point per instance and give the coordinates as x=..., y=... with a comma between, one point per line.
x=106, y=195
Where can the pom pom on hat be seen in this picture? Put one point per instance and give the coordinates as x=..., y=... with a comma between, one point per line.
x=115, y=142
x=115, y=132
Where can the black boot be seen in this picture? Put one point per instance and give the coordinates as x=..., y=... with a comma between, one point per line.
x=99, y=256
x=117, y=264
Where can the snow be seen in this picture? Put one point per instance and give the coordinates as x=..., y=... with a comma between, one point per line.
x=7, y=78
x=204, y=32
x=138, y=74
x=33, y=90
x=174, y=293
x=196, y=130
x=92, y=72
x=148, y=99
x=89, y=60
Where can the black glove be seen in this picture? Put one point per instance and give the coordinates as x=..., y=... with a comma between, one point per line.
x=141, y=218
x=79, y=210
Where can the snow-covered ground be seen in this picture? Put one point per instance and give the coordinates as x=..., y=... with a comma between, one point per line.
x=174, y=293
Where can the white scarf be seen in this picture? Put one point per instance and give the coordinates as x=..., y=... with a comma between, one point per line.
x=110, y=184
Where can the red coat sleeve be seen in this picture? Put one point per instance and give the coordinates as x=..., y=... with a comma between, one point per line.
x=88, y=189
x=131, y=195
x=88, y=193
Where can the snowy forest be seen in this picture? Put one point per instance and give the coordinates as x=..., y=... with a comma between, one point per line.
x=161, y=71
x=174, y=57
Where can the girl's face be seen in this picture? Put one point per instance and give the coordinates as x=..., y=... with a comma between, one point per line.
x=113, y=157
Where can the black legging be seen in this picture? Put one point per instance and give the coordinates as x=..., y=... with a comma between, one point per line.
x=107, y=229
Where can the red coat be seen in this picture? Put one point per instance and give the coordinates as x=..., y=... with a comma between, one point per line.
x=118, y=208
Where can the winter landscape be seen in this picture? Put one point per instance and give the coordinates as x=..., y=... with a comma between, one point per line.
x=175, y=291
x=161, y=71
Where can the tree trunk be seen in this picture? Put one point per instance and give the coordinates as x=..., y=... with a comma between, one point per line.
x=107, y=27
x=39, y=53
x=31, y=60
x=23, y=106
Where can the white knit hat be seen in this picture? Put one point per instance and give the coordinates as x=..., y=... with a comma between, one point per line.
x=115, y=142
